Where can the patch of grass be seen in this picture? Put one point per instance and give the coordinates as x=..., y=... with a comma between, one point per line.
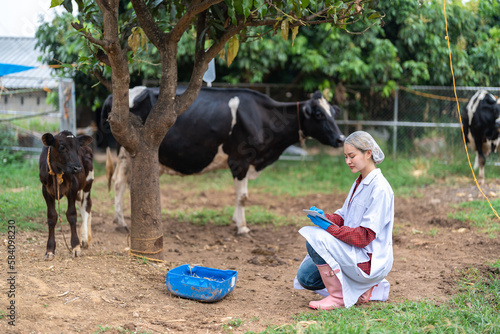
x=235, y=323
x=326, y=174
x=39, y=124
x=434, y=231
x=496, y=265
x=22, y=200
x=21, y=196
x=480, y=215
x=214, y=180
x=473, y=310
x=255, y=215
x=203, y=216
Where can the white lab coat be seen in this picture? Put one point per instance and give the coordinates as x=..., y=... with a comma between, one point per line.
x=372, y=206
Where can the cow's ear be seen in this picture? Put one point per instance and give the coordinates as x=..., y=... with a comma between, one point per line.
x=307, y=111
x=490, y=99
x=336, y=111
x=84, y=140
x=48, y=139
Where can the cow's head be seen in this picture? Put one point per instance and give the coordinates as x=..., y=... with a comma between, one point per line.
x=319, y=121
x=496, y=108
x=64, y=151
x=487, y=115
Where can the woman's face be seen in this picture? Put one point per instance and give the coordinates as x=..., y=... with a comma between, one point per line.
x=357, y=160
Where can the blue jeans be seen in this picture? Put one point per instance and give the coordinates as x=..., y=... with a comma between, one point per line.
x=308, y=274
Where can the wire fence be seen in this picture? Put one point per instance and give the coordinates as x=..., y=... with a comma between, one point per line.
x=414, y=121
x=26, y=114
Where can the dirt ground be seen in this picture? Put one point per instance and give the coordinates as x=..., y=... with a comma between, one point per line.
x=106, y=290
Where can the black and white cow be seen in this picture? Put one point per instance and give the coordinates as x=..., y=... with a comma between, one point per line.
x=239, y=129
x=481, y=125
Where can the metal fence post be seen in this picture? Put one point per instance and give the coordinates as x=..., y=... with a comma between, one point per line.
x=67, y=106
x=395, y=139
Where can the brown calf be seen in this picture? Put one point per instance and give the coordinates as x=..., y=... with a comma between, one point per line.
x=66, y=169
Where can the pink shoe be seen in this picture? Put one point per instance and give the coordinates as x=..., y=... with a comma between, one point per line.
x=334, y=287
x=365, y=297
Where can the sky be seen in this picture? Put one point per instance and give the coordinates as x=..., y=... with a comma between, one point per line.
x=21, y=18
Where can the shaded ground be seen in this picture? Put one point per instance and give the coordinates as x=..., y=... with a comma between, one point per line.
x=107, y=289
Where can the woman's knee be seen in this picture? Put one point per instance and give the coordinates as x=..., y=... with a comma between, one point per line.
x=316, y=258
x=309, y=277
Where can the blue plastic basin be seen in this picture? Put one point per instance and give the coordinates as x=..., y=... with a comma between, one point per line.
x=201, y=283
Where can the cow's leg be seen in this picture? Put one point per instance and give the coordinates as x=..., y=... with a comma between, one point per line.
x=86, y=212
x=476, y=161
x=241, y=190
x=121, y=179
x=480, y=160
x=480, y=175
x=51, y=222
x=71, y=217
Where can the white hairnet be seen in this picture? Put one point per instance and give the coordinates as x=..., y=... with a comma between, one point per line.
x=364, y=141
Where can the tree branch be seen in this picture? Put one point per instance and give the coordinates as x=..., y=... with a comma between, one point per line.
x=102, y=57
x=103, y=80
x=194, y=9
x=148, y=23
x=79, y=27
x=124, y=132
x=201, y=65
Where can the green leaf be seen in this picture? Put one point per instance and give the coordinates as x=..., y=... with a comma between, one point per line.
x=137, y=39
x=295, y=31
x=232, y=50
x=247, y=6
x=231, y=10
x=374, y=16
x=55, y=3
x=68, y=5
x=284, y=29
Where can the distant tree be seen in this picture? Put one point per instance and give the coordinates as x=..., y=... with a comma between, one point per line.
x=405, y=49
x=417, y=30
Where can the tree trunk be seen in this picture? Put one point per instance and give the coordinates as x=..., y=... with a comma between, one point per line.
x=146, y=230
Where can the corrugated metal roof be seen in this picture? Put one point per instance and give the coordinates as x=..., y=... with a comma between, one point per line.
x=21, y=51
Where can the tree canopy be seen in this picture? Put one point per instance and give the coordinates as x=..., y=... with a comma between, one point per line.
x=408, y=47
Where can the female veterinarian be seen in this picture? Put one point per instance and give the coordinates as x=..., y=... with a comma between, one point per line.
x=354, y=254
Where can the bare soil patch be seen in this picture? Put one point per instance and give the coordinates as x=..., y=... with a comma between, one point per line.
x=108, y=289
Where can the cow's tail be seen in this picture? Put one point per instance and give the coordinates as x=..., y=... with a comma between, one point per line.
x=110, y=167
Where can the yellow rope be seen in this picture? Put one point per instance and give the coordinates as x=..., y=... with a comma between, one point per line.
x=130, y=251
x=59, y=176
x=432, y=96
x=459, y=115
x=144, y=257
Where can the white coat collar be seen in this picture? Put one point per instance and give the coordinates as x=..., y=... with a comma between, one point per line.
x=369, y=178
x=365, y=182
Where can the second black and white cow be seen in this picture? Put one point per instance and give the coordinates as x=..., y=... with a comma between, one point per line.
x=239, y=129
x=481, y=120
